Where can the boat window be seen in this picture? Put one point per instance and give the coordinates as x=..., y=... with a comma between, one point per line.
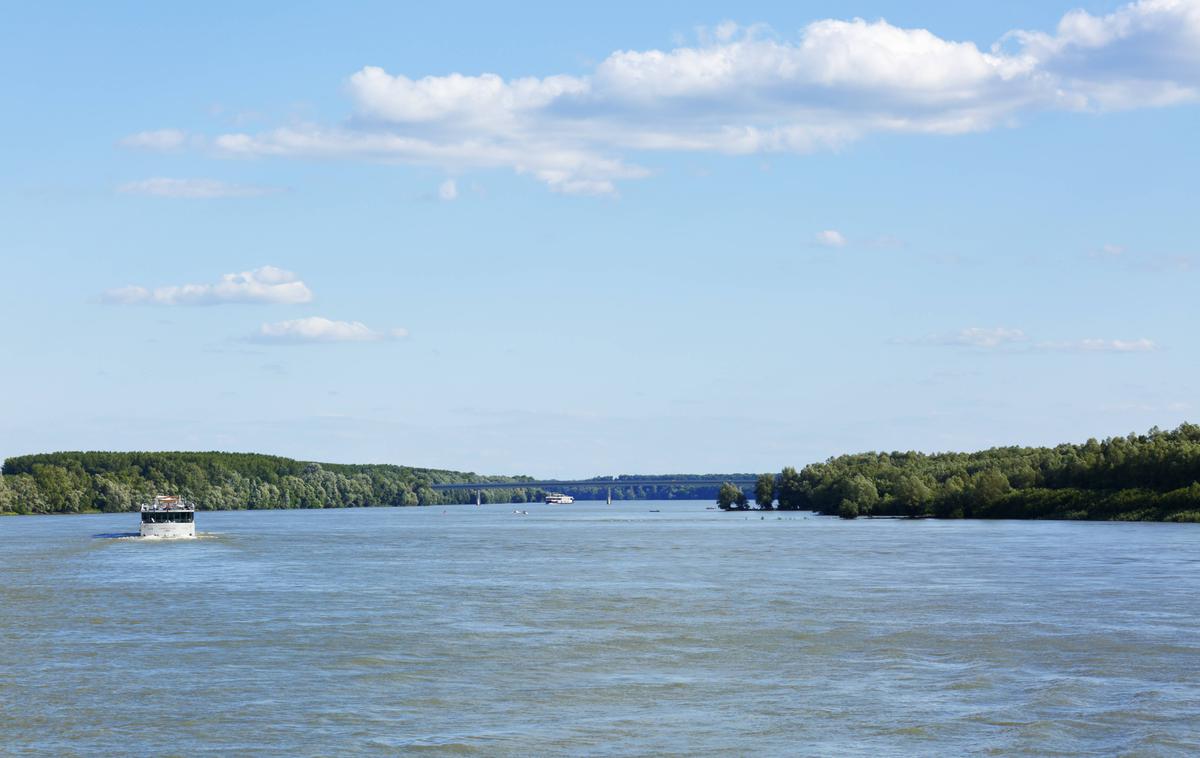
x=168, y=517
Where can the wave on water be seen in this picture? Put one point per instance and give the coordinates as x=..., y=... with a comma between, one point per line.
x=154, y=538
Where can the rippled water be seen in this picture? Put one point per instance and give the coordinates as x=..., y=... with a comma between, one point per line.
x=598, y=629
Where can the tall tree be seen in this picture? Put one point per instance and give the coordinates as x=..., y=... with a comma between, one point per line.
x=791, y=491
x=730, y=496
x=764, y=491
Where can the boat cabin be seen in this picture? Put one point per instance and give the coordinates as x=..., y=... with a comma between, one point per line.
x=168, y=516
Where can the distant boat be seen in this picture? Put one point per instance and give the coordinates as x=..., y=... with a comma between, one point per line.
x=555, y=498
x=168, y=516
x=520, y=513
x=655, y=510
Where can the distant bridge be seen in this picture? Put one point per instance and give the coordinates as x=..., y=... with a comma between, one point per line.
x=555, y=485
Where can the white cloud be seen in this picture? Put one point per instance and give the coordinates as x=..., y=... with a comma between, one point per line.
x=158, y=139
x=1141, y=345
x=267, y=284
x=564, y=168
x=831, y=238
x=1109, y=252
x=742, y=90
x=1144, y=54
x=318, y=329
x=985, y=338
x=1009, y=340
x=448, y=190
x=192, y=188
x=481, y=100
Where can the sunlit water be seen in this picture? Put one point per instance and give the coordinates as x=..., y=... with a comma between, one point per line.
x=598, y=629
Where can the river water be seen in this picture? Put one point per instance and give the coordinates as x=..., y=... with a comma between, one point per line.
x=595, y=629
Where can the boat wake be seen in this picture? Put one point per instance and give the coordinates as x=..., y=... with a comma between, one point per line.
x=153, y=538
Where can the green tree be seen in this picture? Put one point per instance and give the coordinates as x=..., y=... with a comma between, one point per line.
x=861, y=491
x=913, y=495
x=7, y=501
x=112, y=496
x=730, y=496
x=764, y=491
x=989, y=486
x=25, y=495
x=791, y=491
x=61, y=491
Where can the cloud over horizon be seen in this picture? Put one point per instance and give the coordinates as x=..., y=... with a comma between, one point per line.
x=319, y=329
x=747, y=89
x=266, y=284
x=1014, y=340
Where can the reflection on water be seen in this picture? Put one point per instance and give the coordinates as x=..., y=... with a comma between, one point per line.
x=598, y=629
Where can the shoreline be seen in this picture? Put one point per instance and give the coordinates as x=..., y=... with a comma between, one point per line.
x=834, y=517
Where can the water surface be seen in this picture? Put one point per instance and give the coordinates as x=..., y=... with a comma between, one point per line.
x=595, y=629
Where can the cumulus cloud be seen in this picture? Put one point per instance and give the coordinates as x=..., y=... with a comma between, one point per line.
x=192, y=188
x=318, y=329
x=448, y=190
x=267, y=284
x=830, y=238
x=742, y=90
x=157, y=139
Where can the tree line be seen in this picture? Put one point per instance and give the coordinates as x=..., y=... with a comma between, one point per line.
x=77, y=482
x=1148, y=477
x=1151, y=477
x=101, y=481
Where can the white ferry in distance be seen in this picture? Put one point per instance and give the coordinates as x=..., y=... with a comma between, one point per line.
x=556, y=499
x=168, y=516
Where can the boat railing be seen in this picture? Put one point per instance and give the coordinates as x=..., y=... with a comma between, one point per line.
x=168, y=504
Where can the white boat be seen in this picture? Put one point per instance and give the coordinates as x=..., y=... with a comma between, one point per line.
x=555, y=498
x=168, y=516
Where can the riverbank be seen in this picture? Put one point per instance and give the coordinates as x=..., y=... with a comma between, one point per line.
x=1149, y=477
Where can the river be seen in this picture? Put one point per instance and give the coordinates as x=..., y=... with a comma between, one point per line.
x=596, y=629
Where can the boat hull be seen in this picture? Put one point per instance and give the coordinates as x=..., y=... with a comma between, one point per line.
x=169, y=530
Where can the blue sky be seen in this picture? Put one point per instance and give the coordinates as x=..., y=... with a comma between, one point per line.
x=571, y=241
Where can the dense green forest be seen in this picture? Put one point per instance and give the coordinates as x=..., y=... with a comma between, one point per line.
x=80, y=482
x=1149, y=477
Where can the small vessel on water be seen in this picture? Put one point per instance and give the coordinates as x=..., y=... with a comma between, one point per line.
x=555, y=498
x=168, y=516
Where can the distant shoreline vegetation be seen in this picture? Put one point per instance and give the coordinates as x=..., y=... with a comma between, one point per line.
x=1149, y=477
x=88, y=482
